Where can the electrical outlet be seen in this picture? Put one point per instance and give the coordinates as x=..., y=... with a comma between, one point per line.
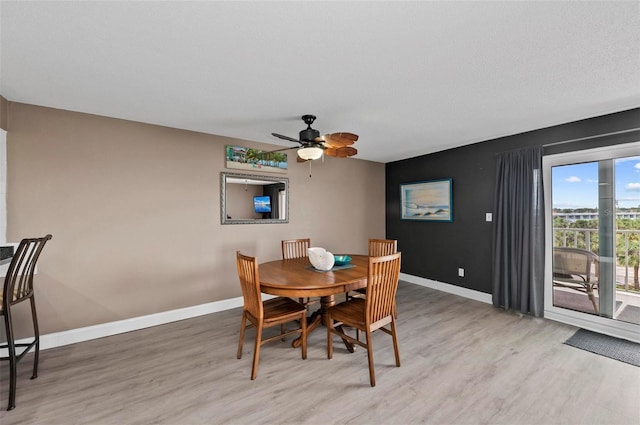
x=460, y=272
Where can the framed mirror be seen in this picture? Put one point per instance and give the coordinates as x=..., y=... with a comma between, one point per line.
x=251, y=199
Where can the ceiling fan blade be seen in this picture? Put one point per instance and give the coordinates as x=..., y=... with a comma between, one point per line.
x=280, y=136
x=345, y=135
x=349, y=151
x=336, y=140
x=331, y=152
x=279, y=150
x=342, y=152
x=330, y=143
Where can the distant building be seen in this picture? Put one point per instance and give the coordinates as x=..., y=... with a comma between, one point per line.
x=574, y=216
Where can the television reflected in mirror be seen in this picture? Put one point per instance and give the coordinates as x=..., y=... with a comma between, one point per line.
x=262, y=204
x=252, y=198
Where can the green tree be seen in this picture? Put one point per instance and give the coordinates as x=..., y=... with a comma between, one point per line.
x=253, y=155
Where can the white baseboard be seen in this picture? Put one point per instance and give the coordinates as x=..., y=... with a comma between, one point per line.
x=73, y=336
x=447, y=287
x=87, y=333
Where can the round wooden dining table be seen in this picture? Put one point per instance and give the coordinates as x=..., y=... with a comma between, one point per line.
x=296, y=278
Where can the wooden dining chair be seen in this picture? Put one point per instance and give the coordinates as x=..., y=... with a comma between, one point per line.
x=381, y=247
x=377, y=248
x=371, y=313
x=262, y=315
x=297, y=248
x=17, y=288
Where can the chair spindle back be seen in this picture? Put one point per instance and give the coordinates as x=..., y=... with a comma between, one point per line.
x=18, y=283
x=381, y=247
x=295, y=248
x=382, y=284
x=250, y=283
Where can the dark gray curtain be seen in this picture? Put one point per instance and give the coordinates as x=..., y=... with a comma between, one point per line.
x=518, y=232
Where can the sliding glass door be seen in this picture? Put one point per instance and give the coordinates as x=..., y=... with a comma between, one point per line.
x=593, y=233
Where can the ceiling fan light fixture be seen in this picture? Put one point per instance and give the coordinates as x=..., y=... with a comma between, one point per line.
x=310, y=153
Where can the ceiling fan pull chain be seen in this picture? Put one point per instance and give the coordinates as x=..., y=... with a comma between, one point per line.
x=309, y=168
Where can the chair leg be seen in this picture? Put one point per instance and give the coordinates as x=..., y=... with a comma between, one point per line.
x=372, y=373
x=256, y=351
x=394, y=335
x=36, y=333
x=593, y=300
x=243, y=324
x=303, y=325
x=11, y=348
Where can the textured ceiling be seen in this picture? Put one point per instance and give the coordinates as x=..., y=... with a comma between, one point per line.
x=409, y=77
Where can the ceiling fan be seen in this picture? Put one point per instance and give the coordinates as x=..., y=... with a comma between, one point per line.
x=312, y=145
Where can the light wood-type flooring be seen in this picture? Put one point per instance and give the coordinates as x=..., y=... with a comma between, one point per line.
x=463, y=362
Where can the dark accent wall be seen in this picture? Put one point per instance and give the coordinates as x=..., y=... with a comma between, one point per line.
x=273, y=191
x=435, y=250
x=4, y=105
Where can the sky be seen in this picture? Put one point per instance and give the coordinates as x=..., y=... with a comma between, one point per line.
x=576, y=185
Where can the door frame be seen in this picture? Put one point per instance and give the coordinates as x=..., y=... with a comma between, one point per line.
x=591, y=322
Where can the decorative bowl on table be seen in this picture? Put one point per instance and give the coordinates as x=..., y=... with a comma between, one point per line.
x=341, y=260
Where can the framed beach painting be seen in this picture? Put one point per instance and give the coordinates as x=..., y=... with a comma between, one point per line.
x=427, y=201
x=249, y=159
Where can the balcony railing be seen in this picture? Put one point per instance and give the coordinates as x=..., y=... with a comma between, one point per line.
x=587, y=239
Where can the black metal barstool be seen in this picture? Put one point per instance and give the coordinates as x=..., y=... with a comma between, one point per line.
x=18, y=287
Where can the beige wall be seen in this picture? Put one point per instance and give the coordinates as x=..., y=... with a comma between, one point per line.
x=134, y=210
x=240, y=201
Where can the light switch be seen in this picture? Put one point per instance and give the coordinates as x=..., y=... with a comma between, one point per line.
x=489, y=217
